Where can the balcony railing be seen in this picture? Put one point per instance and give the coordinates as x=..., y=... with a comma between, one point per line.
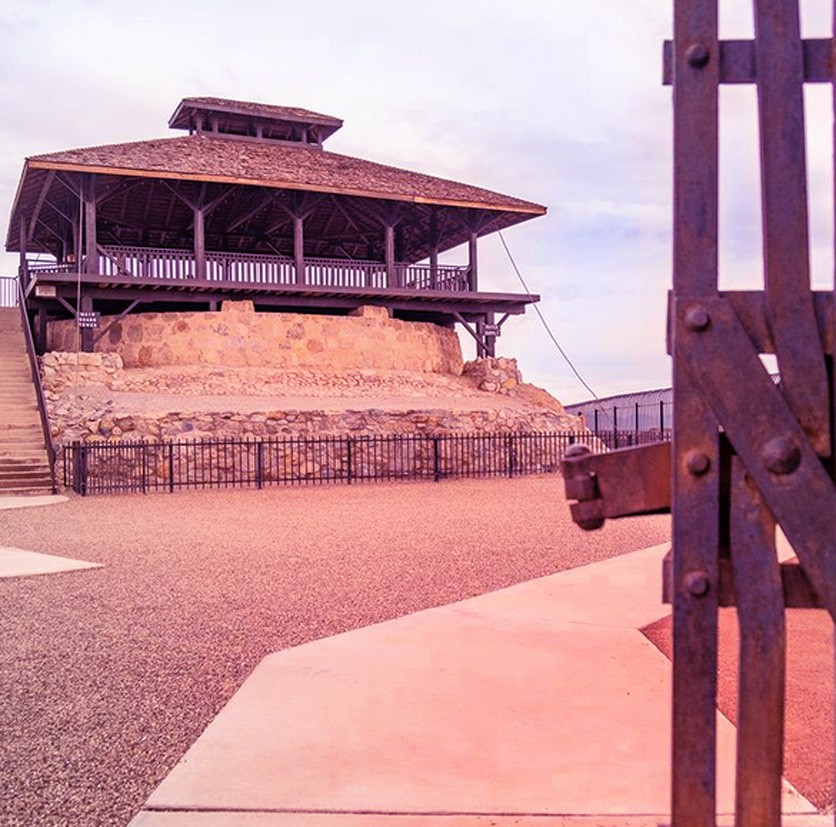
x=147, y=263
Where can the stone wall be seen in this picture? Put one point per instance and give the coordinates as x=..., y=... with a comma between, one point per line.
x=238, y=336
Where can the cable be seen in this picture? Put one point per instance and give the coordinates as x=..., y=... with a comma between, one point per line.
x=542, y=319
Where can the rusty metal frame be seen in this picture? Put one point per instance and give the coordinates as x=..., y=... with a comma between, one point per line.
x=747, y=454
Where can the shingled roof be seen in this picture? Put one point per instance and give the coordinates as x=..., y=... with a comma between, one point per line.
x=258, y=110
x=214, y=158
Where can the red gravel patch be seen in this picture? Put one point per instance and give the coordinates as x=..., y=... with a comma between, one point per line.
x=809, y=733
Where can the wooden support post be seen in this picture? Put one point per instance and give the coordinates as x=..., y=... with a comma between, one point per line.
x=200, y=243
x=490, y=341
x=86, y=332
x=41, y=331
x=91, y=249
x=389, y=255
x=299, y=247
x=23, y=270
x=434, y=243
x=473, y=274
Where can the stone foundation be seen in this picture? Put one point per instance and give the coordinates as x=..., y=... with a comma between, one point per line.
x=237, y=336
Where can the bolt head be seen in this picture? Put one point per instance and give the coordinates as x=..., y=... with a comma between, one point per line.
x=697, y=463
x=697, y=583
x=781, y=456
x=697, y=55
x=697, y=319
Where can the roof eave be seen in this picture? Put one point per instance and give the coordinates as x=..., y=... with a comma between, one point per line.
x=64, y=166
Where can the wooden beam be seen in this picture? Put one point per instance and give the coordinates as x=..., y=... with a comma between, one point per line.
x=161, y=175
x=39, y=203
x=389, y=255
x=113, y=321
x=199, y=243
x=299, y=248
x=473, y=261
x=91, y=245
x=23, y=270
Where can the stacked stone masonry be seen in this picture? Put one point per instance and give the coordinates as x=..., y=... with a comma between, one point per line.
x=236, y=336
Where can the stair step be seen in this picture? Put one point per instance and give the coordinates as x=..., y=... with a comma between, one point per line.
x=34, y=490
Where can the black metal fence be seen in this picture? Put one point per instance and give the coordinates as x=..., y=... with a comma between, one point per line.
x=620, y=426
x=112, y=467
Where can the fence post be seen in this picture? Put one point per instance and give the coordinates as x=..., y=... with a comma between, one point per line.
x=259, y=464
x=144, y=448
x=596, y=422
x=171, y=467
x=637, y=423
x=511, y=455
x=436, y=459
x=615, y=425
x=79, y=468
x=348, y=444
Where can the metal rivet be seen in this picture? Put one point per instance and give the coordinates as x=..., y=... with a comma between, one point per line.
x=697, y=319
x=576, y=451
x=781, y=455
x=697, y=463
x=697, y=55
x=697, y=583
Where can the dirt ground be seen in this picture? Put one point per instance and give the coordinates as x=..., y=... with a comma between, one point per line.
x=107, y=676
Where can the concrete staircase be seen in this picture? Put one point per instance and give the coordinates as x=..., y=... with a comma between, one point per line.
x=24, y=464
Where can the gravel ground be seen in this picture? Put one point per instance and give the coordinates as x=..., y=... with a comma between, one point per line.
x=107, y=676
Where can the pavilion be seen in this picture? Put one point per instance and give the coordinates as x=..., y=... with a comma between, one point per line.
x=249, y=205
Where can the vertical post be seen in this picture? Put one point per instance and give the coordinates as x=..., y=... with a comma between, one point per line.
x=23, y=270
x=436, y=459
x=696, y=524
x=41, y=331
x=434, y=241
x=87, y=332
x=171, y=467
x=473, y=261
x=91, y=248
x=389, y=255
x=200, y=243
x=661, y=419
x=637, y=423
x=299, y=247
x=596, y=421
x=615, y=425
x=348, y=457
x=259, y=465
x=490, y=340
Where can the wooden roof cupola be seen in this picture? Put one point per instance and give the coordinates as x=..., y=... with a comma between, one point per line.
x=253, y=121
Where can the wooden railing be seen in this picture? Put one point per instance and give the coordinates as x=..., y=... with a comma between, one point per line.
x=172, y=265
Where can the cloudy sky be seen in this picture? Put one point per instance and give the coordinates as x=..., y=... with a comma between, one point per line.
x=556, y=101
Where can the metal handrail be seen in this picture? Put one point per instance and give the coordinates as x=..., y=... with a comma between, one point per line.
x=36, y=379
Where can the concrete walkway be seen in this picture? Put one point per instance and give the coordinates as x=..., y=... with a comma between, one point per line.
x=540, y=704
x=16, y=562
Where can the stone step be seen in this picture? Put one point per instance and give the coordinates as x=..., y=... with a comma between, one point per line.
x=26, y=489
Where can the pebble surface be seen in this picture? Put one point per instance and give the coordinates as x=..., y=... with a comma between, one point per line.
x=107, y=676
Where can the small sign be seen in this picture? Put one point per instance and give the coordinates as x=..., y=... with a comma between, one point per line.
x=492, y=330
x=46, y=291
x=89, y=319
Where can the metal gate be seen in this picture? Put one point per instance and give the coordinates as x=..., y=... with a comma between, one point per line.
x=746, y=453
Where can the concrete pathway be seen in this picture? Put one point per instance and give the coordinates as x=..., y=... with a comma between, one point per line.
x=541, y=704
x=30, y=500
x=16, y=562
